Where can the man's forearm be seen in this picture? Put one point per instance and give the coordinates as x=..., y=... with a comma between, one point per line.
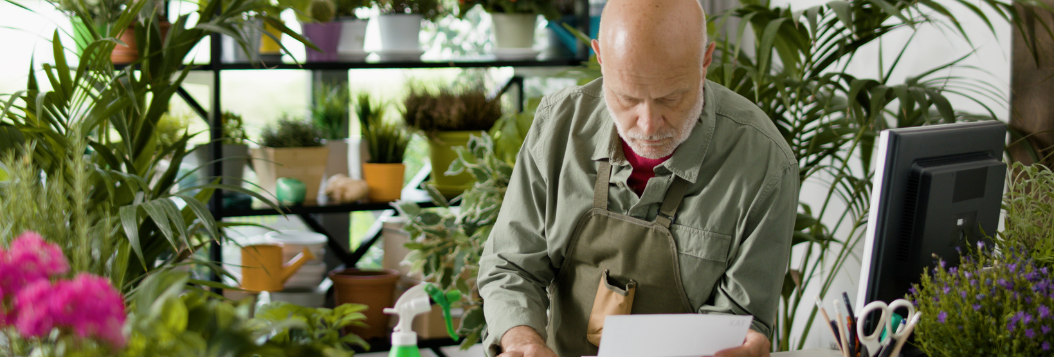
x=521, y=335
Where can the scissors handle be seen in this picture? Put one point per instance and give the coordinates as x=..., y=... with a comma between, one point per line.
x=882, y=322
x=903, y=336
x=901, y=304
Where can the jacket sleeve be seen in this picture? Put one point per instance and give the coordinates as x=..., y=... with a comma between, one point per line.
x=515, y=268
x=754, y=276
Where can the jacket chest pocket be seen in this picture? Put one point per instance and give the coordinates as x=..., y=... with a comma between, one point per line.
x=702, y=256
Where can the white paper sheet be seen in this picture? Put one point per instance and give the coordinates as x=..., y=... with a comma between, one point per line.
x=671, y=335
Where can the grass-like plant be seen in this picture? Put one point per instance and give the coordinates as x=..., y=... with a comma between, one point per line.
x=450, y=110
x=1028, y=205
x=60, y=208
x=798, y=76
x=330, y=111
x=386, y=140
x=131, y=175
x=291, y=133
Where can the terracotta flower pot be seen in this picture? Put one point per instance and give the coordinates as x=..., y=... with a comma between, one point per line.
x=373, y=288
x=385, y=181
x=127, y=54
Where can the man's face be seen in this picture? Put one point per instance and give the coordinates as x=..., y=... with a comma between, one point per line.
x=655, y=104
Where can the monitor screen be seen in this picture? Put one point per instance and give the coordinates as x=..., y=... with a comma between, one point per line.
x=936, y=188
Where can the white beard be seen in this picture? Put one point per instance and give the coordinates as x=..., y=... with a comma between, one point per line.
x=679, y=135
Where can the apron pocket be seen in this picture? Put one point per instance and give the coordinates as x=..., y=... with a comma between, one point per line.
x=703, y=259
x=611, y=299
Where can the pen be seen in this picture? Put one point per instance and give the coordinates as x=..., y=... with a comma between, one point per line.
x=854, y=339
x=841, y=330
x=827, y=319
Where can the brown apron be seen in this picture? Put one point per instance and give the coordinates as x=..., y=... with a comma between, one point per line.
x=615, y=264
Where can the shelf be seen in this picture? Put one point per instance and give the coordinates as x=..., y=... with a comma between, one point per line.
x=416, y=195
x=427, y=63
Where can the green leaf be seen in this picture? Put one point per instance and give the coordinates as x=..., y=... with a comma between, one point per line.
x=472, y=319
x=130, y=223
x=843, y=10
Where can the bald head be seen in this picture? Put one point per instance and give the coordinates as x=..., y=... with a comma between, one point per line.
x=653, y=55
x=653, y=29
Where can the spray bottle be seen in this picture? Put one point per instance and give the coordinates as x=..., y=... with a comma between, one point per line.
x=415, y=301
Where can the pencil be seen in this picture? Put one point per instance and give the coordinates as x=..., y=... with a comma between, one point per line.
x=827, y=319
x=841, y=328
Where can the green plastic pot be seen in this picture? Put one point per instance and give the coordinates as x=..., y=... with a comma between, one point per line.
x=441, y=153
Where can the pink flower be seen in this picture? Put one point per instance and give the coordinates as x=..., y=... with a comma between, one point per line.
x=87, y=305
x=36, y=309
x=30, y=259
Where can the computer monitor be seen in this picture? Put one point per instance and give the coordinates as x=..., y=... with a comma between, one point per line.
x=936, y=188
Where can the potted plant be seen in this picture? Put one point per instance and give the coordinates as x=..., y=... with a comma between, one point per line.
x=321, y=30
x=400, y=26
x=386, y=142
x=436, y=232
x=329, y=113
x=291, y=148
x=352, y=29
x=513, y=21
x=235, y=150
x=448, y=118
x=251, y=29
x=100, y=12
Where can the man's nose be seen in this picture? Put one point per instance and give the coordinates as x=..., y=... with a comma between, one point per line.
x=649, y=119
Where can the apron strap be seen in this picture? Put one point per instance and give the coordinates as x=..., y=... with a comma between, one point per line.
x=600, y=190
x=673, y=199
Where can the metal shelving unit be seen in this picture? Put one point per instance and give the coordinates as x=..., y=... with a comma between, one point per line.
x=308, y=213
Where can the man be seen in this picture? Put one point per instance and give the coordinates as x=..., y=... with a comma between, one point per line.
x=649, y=190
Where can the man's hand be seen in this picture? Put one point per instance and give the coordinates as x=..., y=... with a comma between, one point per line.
x=523, y=341
x=755, y=345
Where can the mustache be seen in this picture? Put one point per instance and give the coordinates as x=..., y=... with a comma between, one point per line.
x=662, y=135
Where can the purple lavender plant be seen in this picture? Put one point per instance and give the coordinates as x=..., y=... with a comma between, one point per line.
x=989, y=306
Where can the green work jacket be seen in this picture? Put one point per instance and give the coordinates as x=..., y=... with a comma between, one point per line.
x=733, y=230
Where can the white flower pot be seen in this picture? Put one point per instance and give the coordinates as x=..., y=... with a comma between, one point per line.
x=400, y=32
x=513, y=30
x=233, y=52
x=337, y=162
x=235, y=157
x=352, y=39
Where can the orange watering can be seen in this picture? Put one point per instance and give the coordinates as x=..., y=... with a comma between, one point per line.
x=263, y=269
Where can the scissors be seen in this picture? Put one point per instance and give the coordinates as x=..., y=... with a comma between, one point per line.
x=898, y=336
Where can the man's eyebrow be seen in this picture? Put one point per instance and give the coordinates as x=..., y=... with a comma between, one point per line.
x=676, y=92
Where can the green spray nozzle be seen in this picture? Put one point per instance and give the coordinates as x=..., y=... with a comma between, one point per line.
x=444, y=300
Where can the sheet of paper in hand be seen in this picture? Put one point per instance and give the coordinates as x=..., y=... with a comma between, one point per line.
x=671, y=335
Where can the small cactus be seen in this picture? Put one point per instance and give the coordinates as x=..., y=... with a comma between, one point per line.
x=322, y=10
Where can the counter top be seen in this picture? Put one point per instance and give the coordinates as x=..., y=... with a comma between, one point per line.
x=808, y=353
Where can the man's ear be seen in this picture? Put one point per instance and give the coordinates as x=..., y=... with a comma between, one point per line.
x=708, y=57
x=596, y=49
